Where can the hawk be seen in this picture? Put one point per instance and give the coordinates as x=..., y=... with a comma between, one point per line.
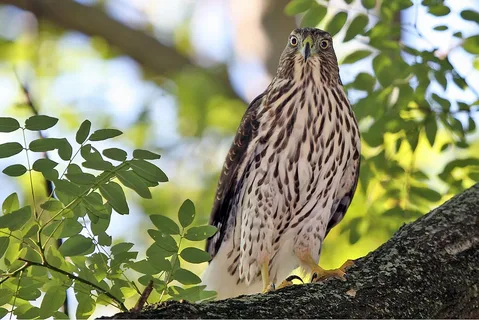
x=289, y=176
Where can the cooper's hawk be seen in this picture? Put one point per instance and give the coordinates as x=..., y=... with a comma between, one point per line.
x=289, y=176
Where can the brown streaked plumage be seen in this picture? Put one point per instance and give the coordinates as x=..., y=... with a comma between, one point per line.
x=290, y=174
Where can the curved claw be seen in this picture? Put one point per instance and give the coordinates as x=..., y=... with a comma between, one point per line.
x=293, y=277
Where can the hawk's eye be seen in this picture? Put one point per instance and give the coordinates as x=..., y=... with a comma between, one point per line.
x=324, y=44
x=293, y=41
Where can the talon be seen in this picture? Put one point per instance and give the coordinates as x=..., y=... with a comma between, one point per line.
x=269, y=288
x=293, y=277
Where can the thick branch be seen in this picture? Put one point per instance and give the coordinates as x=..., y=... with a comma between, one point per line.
x=429, y=269
x=92, y=21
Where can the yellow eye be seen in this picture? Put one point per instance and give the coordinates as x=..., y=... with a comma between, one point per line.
x=324, y=44
x=293, y=41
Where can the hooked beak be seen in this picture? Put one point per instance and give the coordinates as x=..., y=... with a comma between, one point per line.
x=306, y=48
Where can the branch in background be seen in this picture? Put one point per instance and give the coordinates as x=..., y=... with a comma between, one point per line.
x=145, y=49
x=429, y=269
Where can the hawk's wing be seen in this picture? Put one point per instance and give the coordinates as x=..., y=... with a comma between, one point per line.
x=349, y=183
x=230, y=180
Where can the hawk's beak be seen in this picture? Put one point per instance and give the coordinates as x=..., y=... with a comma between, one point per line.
x=306, y=49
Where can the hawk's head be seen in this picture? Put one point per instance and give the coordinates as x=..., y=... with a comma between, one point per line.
x=309, y=48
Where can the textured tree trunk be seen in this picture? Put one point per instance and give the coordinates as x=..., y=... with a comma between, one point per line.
x=428, y=269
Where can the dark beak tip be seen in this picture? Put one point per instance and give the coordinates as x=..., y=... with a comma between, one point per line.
x=307, y=52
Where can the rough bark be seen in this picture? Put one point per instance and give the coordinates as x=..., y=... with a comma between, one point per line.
x=428, y=269
x=92, y=21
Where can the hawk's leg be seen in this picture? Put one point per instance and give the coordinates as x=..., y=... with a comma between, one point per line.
x=267, y=284
x=320, y=274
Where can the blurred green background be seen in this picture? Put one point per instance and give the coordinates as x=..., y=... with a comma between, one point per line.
x=176, y=77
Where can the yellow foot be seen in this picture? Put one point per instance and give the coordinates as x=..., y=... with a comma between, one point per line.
x=269, y=288
x=320, y=274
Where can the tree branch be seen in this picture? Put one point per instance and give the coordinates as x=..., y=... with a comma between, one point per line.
x=92, y=21
x=428, y=269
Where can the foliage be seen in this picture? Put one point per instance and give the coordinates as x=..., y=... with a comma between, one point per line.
x=79, y=212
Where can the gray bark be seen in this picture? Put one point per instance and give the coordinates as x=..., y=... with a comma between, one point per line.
x=428, y=269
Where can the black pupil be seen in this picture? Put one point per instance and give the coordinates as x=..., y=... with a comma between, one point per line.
x=324, y=44
x=293, y=40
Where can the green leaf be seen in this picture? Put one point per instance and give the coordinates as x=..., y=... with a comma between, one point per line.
x=4, y=242
x=148, y=170
x=131, y=180
x=42, y=165
x=76, y=245
x=52, y=301
x=336, y=23
x=356, y=27
x=83, y=132
x=354, y=234
x=314, y=16
x=67, y=187
x=165, y=224
x=382, y=69
x=115, y=154
x=65, y=150
x=104, y=239
x=145, y=154
x=441, y=28
x=81, y=178
x=40, y=122
x=145, y=267
x=431, y=130
x=10, y=149
x=186, y=214
x=200, y=233
x=115, y=196
x=10, y=203
x=186, y=277
x=439, y=10
x=368, y=4
x=52, y=205
x=104, y=134
x=426, y=193
x=195, y=255
x=85, y=307
x=3, y=311
x=5, y=296
x=470, y=15
x=43, y=144
x=471, y=44
x=16, y=219
x=364, y=81
x=100, y=226
x=356, y=56
x=71, y=227
x=165, y=241
x=15, y=170
x=8, y=124
x=297, y=6
x=100, y=165
x=121, y=247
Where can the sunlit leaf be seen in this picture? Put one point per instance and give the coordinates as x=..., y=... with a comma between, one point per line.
x=81, y=178
x=297, y=6
x=104, y=134
x=471, y=44
x=431, y=130
x=439, y=10
x=133, y=181
x=115, y=196
x=83, y=132
x=368, y=4
x=76, y=245
x=356, y=56
x=10, y=203
x=200, y=233
x=15, y=170
x=40, y=122
x=4, y=242
x=52, y=301
x=115, y=154
x=356, y=27
x=337, y=23
x=16, y=219
x=8, y=124
x=52, y=205
x=121, y=247
x=186, y=277
x=470, y=15
x=163, y=240
x=195, y=255
x=165, y=224
x=10, y=149
x=148, y=170
x=314, y=16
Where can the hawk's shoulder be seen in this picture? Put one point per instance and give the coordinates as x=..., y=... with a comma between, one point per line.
x=230, y=179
